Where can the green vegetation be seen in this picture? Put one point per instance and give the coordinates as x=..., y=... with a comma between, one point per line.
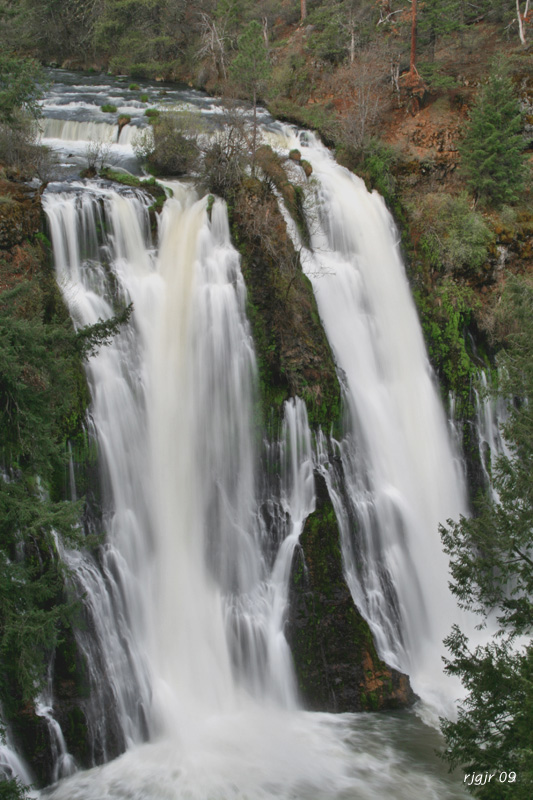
x=13, y=790
x=492, y=150
x=454, y=238
x=170, y=146
x=43, y=399
x=492, y=572
x=250, y=69
x=109, y=108
x=19, y=93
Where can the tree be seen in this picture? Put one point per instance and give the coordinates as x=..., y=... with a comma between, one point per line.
x=492, y=150
x=19, y=89
x=250, y=68
x=492, y=571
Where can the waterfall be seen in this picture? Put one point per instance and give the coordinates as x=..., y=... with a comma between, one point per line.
x=187, y=600
x=12, y=766
x=400, y=475
x=183, y=605
x=491, y=415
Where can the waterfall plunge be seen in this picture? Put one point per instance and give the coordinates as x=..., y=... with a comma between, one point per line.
x=401, y=478
x=202, y=601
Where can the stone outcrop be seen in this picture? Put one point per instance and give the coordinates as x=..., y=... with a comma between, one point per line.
x=293, y=352
x=336, y=663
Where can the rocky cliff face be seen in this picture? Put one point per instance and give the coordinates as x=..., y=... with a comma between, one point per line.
x=337, y=666
x=293, y=352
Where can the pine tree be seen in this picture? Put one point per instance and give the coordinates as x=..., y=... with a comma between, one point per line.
x=251, y=67
x=492, y=150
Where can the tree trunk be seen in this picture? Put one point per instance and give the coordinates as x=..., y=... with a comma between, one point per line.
x=303, y=10
x=412, y=67
x=254, y=136
x=520, y=18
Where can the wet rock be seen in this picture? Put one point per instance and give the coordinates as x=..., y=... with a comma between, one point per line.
x=336, y=663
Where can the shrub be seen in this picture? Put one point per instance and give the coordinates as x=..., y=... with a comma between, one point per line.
x=144, y=98
x=170, y=146
x=452, y=236
x=151, y=112
x=134, y=87
x=108, y=108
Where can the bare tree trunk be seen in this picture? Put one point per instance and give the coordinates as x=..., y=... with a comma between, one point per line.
x=412, y=67
x=352, y=46
x=520, y=17
x=265, y=31
x=303, y=10
x=254, y=137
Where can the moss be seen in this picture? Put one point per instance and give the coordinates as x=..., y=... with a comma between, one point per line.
x=293, y=354
x=293, y=196
x=210, y=204
x=149, y=185
x=336, y=663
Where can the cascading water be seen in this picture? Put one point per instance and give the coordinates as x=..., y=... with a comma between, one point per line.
x=185, y=603
x=400, y=476
x=491, y=415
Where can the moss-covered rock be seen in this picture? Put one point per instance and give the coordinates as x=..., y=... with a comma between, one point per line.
x=293, y=353
x=337, y=666
x=273, y=168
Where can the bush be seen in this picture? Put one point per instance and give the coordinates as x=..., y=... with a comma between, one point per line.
x=134, y=87
x=452, y=237
x=144, y=98
x=151, y=112
x=227, y=155
x=108, y=108
x=170, y=146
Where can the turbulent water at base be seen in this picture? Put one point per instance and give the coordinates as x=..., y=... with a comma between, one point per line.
x=188, y=666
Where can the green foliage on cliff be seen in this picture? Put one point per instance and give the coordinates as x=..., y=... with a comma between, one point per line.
x=445, y=316
x=492, y=572
x=43, y=400
x=454, y=238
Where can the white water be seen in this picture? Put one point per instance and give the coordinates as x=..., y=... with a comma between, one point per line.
x=402, y=477
x=185, y=602
x=491, y=415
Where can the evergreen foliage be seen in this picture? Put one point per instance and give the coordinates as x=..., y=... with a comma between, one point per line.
x=492, y=150
x=19, y=89
x=492, y=571
x=250, y=68
x=43, y=399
